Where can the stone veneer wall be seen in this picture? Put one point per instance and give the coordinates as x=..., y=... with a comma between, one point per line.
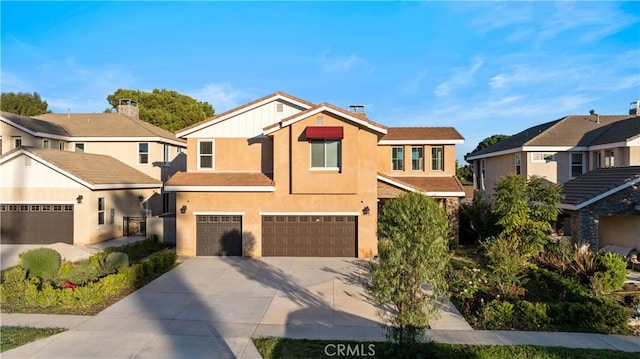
x=584, y=222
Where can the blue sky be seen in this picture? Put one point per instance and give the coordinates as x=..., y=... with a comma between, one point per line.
x=481, y=67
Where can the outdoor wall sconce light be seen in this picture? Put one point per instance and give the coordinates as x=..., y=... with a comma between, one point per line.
x=140, y=198
x=183, y=209
x=79, y=198
x=366, y=210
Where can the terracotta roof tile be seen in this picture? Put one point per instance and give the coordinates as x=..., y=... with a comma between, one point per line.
x=219, y=179
x=92, y=168
x=429, y=184
x=597, y=182
x=422, y=133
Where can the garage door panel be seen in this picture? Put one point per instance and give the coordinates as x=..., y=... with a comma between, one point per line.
x=313, y=236
x=219, y=235
x=36, y=223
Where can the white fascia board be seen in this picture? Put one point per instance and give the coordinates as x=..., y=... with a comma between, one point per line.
x=123, y=139
x=566, y=206
x=420, y=142
x=242, y=110
x=330, y=110
x=494, y=154
x=445, y=194
x=397, y=184
x=219, y=188
x=609, y=146
x=38, y=202
x=553, y=148
x=126, y=186
x=606, y=194
x=308, y=213
x=217, y=213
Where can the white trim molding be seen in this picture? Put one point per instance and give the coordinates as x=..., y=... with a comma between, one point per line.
x=308, y=213
x=219, y=188
x=420, y=142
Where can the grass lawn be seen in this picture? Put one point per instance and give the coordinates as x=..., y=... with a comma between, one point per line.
x=13, y=337
x=302, y=348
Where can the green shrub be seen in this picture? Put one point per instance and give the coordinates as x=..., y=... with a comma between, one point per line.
x=596, y=314
x=115, y=261
x=533, y=316
x=611, y=273
x=506, y=264
x=40, y=262
x=499, y=314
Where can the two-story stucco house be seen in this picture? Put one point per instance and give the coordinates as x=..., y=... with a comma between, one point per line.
x=604, y=149
x=281, y=176
x=109, y=164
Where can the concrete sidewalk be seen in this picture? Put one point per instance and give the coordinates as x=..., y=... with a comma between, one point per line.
x=212, y=307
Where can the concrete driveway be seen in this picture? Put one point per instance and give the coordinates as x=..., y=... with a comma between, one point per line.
x=210, y=307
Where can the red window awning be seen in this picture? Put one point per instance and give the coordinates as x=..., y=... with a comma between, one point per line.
x=322, y=132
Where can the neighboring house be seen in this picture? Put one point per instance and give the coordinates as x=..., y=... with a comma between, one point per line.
x=50, y=196
x=602, y=207
x=145, y=147
x=560, y=150
x=281, y=176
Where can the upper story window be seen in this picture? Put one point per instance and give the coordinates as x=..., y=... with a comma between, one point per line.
x=542, y=157
x=609, y=158
x=597, y=159
x=397, y=158
x=437, y=158
x=417, y=158
x=17, y=142
x=101, y=207
x=518, y=163
x=62, y=146
x=483, y=166
x=577, y=164
x=46, y=144
x=325, y=154
x=79, y=147
x=205, y=154
x=143, y=153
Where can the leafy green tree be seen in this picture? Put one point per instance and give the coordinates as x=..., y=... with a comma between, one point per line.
x=489, y=141
x=23, y=103
x=464, y=173
x=526, y=208
x=477, y=220
x=413, y=251
x=165, y=108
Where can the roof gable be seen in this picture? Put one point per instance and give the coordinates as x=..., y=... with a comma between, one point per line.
x=360, y=120
x=422, y=135
x=278, y=96
x=598, y=184
x=91, y=170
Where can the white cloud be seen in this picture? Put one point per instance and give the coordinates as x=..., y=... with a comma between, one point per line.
x=339, y=63
x=461, y=77
x=222, y=96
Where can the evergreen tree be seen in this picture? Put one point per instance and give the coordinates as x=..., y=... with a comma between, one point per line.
x=23, y=103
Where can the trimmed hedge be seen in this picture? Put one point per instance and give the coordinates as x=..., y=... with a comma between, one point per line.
x=40, y=262
x=21, y=294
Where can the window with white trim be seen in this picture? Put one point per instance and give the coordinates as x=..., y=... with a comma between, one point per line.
x=518, y=158
x=597, y=160
x=577, y=164
x=205, y=154
x=143, y=153
x=17, y=142
x=45, y=143
x=417, y=158
x=542, y=157
x=482, y=173
x=62, y=146
x=437, y=158
x=101, y=206
x=609, y=158
x=325, y=153
x=397, y=158
x=79, y=147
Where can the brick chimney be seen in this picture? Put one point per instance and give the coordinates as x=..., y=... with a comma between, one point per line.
x=129, y=108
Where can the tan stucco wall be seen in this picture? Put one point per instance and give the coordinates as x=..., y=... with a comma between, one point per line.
x=244, y=155
x=634, y=156
x=9, y=132
x=548, y=169
x=303, y=191
x=496, y=167
x=85, y=217
x=619, y=230
x=384, y=161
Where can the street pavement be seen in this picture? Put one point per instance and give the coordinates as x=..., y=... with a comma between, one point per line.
x=211, y=307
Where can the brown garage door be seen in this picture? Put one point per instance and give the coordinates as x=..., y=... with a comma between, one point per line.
x=36, y=223
x=309, y=236
x=219, y=236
